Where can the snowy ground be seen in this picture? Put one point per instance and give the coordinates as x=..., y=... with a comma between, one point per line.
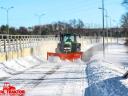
x=61, y=78
x=100, y=76
x=104, y=73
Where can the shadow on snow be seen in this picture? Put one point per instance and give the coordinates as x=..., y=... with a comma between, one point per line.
x=108, y=87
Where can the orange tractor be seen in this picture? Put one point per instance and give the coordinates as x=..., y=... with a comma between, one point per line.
x=68, y=48
x=9, y=90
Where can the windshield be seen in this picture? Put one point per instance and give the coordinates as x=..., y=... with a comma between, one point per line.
x=68, y=38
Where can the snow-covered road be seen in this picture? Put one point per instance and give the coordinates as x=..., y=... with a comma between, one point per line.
x=66, y=80
x=63, y=78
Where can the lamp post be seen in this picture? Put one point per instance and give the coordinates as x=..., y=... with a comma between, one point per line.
x=39, y=21
x=7, y=14
x=106, y=21
x=103, y=26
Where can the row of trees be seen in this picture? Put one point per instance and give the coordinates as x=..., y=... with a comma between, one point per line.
x=43, y=29
x=73, y=26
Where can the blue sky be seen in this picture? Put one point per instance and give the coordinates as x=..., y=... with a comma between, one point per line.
x=23, y=13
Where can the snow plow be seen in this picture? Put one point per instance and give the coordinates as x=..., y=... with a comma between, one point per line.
x=68, y=48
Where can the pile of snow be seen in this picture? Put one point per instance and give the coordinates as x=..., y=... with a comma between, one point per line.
x=104, y=79
x=13, y=65
x=105, y=73
x=16, y=66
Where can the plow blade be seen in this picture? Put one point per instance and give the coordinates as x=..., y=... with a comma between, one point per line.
x=64, y=56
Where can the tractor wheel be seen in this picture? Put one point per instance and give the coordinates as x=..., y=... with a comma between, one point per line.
x=58, y=49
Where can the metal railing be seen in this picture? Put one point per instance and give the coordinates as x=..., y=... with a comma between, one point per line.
x=18, y=42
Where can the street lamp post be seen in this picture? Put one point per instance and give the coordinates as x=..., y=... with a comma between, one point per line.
x=7, y=14
x=39, y=21
x=106, y=23
x=103, y=27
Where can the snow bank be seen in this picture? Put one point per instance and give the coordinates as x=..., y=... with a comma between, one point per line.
x=19, y=65
x=104, y=73
x=104, y=80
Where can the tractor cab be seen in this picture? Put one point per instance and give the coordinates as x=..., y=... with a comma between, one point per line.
x=66, y=42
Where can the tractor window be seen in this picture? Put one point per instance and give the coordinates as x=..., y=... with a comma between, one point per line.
x=69, y=38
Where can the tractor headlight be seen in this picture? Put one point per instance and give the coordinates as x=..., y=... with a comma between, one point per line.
x=67, y=48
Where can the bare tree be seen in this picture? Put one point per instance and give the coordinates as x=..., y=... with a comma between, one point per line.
x=125, y=3
x=80, y=24
x=73, y=23
x=124, y=21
